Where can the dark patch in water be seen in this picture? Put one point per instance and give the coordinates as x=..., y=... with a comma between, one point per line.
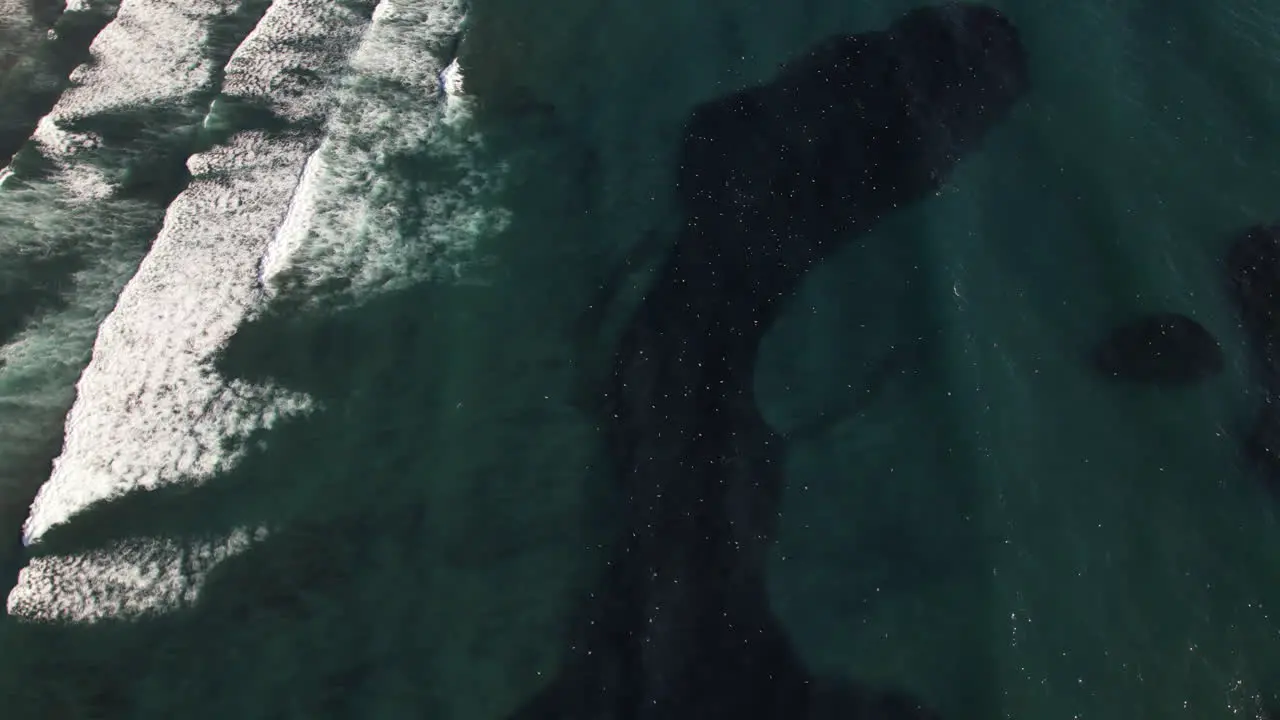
x=773, y=180
x=1253, y=267
x=1253, y=264
x=1161, y=349
x=45, y=12
x=32, y=286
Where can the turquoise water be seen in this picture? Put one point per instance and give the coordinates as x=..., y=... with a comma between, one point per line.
x=379, y=363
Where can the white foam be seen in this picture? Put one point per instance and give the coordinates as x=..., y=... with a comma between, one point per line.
x=129, y=577
x=91, y=5
x=347, y=220
x=149, y=410
x=39, y=366
x=151, y=55
x=75, y=209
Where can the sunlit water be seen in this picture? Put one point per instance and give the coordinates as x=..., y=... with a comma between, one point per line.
x=296, y=310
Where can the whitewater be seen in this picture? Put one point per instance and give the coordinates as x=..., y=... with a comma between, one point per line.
x=304, y=306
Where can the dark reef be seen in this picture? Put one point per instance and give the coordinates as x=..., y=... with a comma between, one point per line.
x=773, y=179
x=1161, y=348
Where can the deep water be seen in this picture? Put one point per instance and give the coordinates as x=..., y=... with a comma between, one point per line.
x=323, y=345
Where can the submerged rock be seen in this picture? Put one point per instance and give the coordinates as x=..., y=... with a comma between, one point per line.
x=1161, y=348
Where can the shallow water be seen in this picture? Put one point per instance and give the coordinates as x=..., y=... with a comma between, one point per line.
x=297, y=356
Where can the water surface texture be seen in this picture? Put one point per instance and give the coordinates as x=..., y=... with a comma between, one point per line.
x=570, y=360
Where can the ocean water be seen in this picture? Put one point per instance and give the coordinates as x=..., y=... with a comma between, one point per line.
x=306, y=306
